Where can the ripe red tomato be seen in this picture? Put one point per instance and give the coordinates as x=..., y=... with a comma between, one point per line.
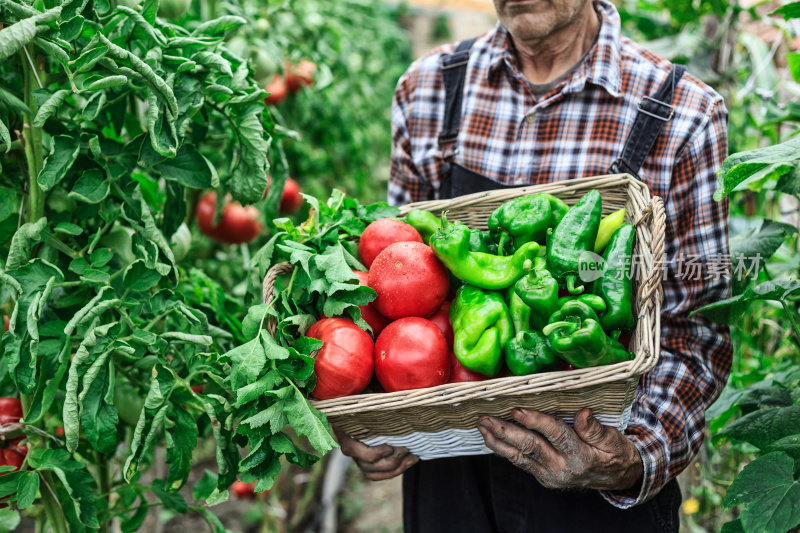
x=300, y=74
x=10, y=410
x=244, y=491
x=442, y=319
x=459, y=374
x=291, y=200
x=411, y=353
x=409, y=279
x=344, y=363
x=198, y=389
x=277, y=89
x=59, y=431
x=13, y=453
x=368, y=312
x=238, y=224
x=380, y=234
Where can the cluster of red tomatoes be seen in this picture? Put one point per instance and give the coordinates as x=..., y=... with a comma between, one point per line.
x=294, y=77
x=11, y=451
x=239, y=223
x=413, y=337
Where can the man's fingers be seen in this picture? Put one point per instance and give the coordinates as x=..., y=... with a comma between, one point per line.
x=556, y=431
x=589, y=428
x=358, y=450
x=527, y=442
x=511, y=452
x=409, y=461
x=385, y=464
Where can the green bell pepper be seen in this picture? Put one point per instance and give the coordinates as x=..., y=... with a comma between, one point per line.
x=529, y=352
x=615, y=286
x=539, y=291
x=487, y=271
x=574, y=235
x=425, y=222
x=592, y=300
x=521, y=220
x=576, y=336
x=481, y=242
x=482, y=327
x=558, y=208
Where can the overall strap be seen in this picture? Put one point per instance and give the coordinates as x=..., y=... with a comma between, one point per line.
x=454, y=70
x=654, y=112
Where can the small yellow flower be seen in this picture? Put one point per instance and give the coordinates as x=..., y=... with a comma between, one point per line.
x=691, y=506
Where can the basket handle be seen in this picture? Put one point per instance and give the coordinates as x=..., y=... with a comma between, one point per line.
x=268, y=290
x=652, y=283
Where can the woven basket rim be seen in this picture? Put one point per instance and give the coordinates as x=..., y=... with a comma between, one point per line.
x=648, y=298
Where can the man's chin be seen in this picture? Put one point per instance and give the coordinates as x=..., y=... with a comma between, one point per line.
x=528, y=26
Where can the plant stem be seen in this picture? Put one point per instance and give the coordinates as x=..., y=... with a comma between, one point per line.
x=103, y=473
x=52, y=509
x=792, y=319
x=34, y=152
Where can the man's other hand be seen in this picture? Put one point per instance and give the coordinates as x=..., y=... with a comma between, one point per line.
x=590, y=456
x=377, y=462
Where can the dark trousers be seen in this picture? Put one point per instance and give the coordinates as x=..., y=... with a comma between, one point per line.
x=487, y=494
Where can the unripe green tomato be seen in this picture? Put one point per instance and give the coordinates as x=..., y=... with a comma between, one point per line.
x=172, y=9
x=181, y=242
x=128, y=400
x=239, y=46
x=119, y=240
x=262, y=25
x=58, y=201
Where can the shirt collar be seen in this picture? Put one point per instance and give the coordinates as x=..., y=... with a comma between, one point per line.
x=600, y=68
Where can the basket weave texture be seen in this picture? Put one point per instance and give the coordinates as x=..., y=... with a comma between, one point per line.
x=440, y=421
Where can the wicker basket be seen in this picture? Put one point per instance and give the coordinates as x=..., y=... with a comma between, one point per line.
x=441, y=421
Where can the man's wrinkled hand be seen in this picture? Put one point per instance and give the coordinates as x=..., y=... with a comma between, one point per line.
x=591, y=455
x=376, y=462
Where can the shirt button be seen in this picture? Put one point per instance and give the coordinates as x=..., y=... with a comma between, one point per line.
x=530, y=119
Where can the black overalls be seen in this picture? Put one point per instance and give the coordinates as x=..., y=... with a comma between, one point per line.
x=486, y=493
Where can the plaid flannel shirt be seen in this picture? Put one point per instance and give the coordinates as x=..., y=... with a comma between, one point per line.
x=578, y=129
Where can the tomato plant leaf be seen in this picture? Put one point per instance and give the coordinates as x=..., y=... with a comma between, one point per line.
x=63, y=153
x=188, y=167
x=181, y=440
x=5, y=136
x=171, y=500
x=50, y=106
x=27, y=488
x=91, y=187
x=23, y=240
x=768, y=490
x=219, y=25
x=14, y=37
x=9, y=519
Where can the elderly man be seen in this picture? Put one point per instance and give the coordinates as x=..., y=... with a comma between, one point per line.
x=554, y=92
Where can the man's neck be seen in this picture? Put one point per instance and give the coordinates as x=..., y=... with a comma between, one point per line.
x=545, y=59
